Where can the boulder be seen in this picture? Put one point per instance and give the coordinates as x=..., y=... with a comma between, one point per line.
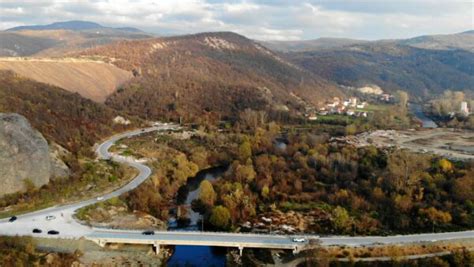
x=25, y=157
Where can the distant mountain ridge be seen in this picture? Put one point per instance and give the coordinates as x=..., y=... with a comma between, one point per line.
x=73, y=25
x=462, y=40
x=61, y=38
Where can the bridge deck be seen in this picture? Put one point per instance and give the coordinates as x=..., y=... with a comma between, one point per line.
x=199, y=239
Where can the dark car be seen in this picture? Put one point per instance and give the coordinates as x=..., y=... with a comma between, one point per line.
x=37, y=231
x=148, y=233
x=12, y=219
x=53, y=232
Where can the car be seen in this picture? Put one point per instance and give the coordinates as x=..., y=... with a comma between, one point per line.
x=53, y=232
x=50, y=217
x=12, y=219
x=148, y=233
x=37, y=231
x=100, y=198
x=299, y=239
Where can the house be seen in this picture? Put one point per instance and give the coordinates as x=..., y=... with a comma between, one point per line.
x=464, y=109
x=362, y=105
x=386, y=97
x=353, y=101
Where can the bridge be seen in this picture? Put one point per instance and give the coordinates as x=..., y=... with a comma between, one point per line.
x=235, y=240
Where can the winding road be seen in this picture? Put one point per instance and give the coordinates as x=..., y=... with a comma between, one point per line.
x=70, y=228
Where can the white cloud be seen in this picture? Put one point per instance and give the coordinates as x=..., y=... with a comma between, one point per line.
x=260, y=19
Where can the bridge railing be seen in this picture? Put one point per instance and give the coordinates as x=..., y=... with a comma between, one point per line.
x=177, y=231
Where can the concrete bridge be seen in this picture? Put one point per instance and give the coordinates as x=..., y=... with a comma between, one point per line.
x=189, y=238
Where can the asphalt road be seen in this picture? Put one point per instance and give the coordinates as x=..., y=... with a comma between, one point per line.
x=69, y=228
x=64, y=222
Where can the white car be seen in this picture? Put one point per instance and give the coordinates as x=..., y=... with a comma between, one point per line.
x=299, y=239
x=100, y=198
x=50, y=217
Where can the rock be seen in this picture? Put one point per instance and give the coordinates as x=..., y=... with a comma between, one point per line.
x=25, y=156
x=121, y=120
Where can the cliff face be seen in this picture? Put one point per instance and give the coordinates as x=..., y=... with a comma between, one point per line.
x=24, y=155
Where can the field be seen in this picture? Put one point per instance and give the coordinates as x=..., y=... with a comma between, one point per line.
x=93, y=80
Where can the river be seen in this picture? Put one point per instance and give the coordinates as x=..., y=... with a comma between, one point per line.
x=417, y=110
x=196, y=255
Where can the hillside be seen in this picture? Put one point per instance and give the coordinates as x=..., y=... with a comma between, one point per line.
x=61, y=38
x=310, y=45
x=421, y=72
x=73, y=122
x=91, y=79
x=214, y=74
x=14, y=44
x=464, y=41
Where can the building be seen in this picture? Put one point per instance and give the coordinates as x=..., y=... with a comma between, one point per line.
x=464, y=109
x=353, y=101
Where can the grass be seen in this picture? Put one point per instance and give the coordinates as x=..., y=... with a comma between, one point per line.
x=374, y=107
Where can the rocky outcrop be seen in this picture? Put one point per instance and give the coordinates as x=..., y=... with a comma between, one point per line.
x=25, y=156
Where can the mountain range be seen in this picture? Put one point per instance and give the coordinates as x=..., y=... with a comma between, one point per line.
x=73, y=25
x=424, y=66
x=217, y=75
x=463, y=41
x=60, y=38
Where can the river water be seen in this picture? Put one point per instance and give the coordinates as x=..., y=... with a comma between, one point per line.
x=417, y=110
x=195, y=255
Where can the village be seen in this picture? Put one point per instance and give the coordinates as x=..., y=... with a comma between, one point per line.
x=352, y=106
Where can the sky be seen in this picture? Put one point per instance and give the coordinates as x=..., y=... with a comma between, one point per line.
x=257, y=19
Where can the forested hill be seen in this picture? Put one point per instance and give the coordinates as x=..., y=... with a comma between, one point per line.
x=68, y=119
x=421, y=72
x=211, y=74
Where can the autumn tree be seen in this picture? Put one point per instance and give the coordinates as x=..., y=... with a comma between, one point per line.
x=220, y=217
x=207, y=195
x=341, y=218
x=436, y=216
x=245, y=151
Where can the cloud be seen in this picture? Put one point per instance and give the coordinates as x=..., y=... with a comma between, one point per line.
x=258, y=19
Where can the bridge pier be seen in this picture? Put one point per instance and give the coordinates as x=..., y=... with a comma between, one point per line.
x=101, y=242
x=241, y=250
x=156, y=248
x=296, y=250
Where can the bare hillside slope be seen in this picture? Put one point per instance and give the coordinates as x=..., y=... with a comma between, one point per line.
x=91, y=79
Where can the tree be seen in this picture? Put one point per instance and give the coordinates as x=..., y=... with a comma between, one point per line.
x=463, y=189
x=445, y=165
x=265, y=191
x=245, y=151
x=220, y=217
x=402, y=99
x=405, y=170
x=436, y=216
x=341, y=218
x=206, y=193
x=245, y=173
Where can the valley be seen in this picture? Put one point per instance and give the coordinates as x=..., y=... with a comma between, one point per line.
x=123, y=147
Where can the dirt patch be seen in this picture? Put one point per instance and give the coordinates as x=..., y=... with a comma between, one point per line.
x=449, y=143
